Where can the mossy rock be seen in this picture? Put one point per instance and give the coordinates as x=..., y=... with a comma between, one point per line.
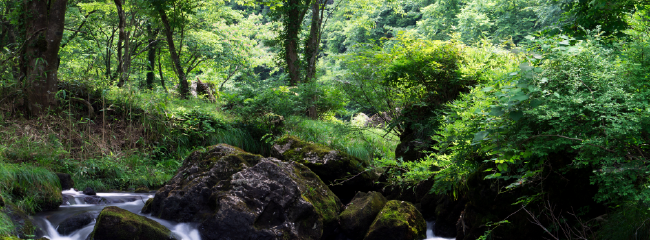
x=398, y=220
x=332, y=166
x=65, y=180
x=274, y=200
x=360, y=213
x=142, y=190
x=115, y=223
x=22, y=223
x=147, y=206
x=190, y=196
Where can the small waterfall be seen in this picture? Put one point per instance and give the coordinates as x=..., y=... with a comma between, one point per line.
x=133, y=202
x=430, y=235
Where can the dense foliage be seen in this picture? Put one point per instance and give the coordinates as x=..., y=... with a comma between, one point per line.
x=435, y=92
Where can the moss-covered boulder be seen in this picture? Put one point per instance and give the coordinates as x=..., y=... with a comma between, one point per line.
x=398, y=220
x=191, y=195
x=147, y=206
x=18, y=222
x=274, y=200
x=238, y=195
x=115, y=223
x=359, y=214
x=330, y=165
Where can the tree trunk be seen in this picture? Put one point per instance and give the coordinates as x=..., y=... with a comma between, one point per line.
x=162, y=79
x=122, y=44
x=44, y=22
x=169, y=34
x=151, y=57
x=293, y=25
x=313, y=42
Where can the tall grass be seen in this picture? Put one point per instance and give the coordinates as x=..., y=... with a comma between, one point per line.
x=29, y=187
x=363, y=143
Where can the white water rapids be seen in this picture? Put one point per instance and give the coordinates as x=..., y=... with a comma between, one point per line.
x=133, y=202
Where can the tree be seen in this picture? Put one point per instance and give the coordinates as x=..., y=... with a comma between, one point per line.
x=44, y=23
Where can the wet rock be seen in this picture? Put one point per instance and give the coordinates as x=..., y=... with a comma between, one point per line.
x=360, y=212
x=147, y=206
x=65, y=180
x=75, y=223
x=115, y=223
x=94, y=200
x=89, y=191
x=398, y=220
x=330, y=165
x=238, y=195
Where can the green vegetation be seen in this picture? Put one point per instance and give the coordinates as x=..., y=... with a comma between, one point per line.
x=449, y=95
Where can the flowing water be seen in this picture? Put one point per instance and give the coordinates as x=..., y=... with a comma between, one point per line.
x=133, y=202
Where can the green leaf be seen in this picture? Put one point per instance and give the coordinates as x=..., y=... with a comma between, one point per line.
x=502, y=167
x=535, y=103
x=520, y=97
x=496, y=111
x=479, y=136
x=516, y=115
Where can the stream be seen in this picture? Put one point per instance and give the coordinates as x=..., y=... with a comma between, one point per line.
x=133, y=202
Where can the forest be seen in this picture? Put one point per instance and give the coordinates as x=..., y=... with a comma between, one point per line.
x=325, y=119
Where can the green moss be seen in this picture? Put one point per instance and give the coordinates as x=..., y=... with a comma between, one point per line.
x=116, y=223
x=326, y=204
x=360, y=213
x=400, y=218
x=15, y=221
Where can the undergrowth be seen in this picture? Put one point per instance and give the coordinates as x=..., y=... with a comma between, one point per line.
x=363, y=143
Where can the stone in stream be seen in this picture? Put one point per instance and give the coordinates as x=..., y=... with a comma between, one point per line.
x=330, y=165
x=89, y=191
x=75, y=222
x=238, y=195
x=115, y=223
x=360, y=213
x=94, y=200
x=65, y=180
x=398, y=220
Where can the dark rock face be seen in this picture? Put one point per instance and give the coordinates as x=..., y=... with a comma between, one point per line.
x=237, y=195
x=115, y=223
x=359, y=214
x=274, y=200
x=75, y=222
x=398, y=220
x=89, y=191
x=330, y=165
x=191, y=195
x=65, y=180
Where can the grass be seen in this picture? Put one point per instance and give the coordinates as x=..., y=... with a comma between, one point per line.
x=28, y=187
x=363, y=143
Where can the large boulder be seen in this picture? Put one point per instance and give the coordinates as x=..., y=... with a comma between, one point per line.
x=65, y=180
x=398, y=220
x=75, y=222
x=360, y=213
x=191, y=195
x=238, y=195
x=332, y=166
x=115, y=223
